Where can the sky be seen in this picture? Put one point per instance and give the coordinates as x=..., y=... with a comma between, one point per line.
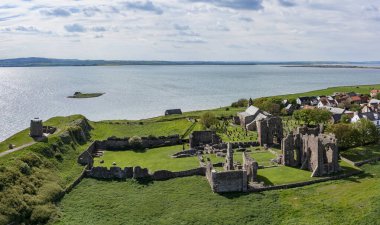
x=217, y=30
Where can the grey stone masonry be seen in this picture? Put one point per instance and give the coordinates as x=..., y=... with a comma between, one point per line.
x=270, y=130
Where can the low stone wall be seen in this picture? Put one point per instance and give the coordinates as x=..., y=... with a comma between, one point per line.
x=234, y=145
x=114, y=143
x=360, y=163
x=139, y=173
x=185, y=153
x=228, y=181
x=85, y=158
x=301, y=184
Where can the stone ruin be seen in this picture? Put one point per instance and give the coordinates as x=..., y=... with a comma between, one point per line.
x=37, y=129
x=310, y=150
x=270, y=130
x=201, y=138
x=235, y=177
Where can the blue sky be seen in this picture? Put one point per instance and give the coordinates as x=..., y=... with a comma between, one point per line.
x=267, y=30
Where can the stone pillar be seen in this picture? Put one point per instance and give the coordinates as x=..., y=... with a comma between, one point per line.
x=36, y=128
x=229, y=163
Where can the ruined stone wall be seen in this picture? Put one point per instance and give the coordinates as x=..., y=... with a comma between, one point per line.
x=228, y=181
x=270, y=130
x=251, y=166
x=139, y=173
x=316, y=153
x=113, y=143
x=200, y=138
x=86, y=158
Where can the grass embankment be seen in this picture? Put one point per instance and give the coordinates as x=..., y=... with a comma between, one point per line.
x=362, y=153
x=189, y=201
x=361, y=89
x=32, y=179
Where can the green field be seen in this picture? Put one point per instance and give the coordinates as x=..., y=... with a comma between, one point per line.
x=153, y=159
x=189, y=201
x=361, y=89
x=362, y=153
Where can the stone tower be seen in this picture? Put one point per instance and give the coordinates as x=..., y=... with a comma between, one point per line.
x=36, y=128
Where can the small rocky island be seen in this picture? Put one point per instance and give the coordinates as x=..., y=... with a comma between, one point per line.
x=85, y=95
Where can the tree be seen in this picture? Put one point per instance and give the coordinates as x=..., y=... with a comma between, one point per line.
x=355, y=108
x=240, y=103
x=345, y=119
x=368, y=132
x=309, y=116
x=345, y=134
x=208, y=119
x=378, y=96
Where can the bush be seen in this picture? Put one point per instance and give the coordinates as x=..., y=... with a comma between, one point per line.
x=240, y=103
x=315, y=116
x=25, y=168
x=208, y=119
x=135, y=142
x=42, y=213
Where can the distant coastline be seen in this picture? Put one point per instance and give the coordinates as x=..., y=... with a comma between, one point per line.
x=336, y=66
x=49, y=62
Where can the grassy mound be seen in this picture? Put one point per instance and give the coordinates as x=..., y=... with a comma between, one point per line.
x=32, y=179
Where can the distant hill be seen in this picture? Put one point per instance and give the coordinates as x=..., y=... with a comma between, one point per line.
x=39, y=62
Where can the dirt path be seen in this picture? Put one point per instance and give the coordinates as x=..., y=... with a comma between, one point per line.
x=16, y=149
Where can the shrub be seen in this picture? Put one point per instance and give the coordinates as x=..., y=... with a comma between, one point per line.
x=240, y=103
x=135, y=142
x=42, y=213
x=25, y=168
x=59, y=157
x=208, y=119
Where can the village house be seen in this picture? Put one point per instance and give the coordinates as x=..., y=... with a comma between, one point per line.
x=374, y=117
x=374, y=93
x=327, y=102
x=249, y=117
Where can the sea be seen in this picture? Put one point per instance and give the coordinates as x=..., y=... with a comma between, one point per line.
x=136, y=92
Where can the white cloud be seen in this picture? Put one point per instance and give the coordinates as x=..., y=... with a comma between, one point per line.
x=191, y=29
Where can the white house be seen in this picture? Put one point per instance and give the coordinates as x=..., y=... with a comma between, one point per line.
x=371, y=116
x=327, y=102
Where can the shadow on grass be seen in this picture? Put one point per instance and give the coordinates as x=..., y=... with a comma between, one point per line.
x=265, y=180
x=233, y=195
x=145, y=181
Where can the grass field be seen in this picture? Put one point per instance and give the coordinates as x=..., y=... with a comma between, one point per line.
x=189, y=201
x=361, y=89
x=103, y=130
x=153, y=159
x=362, y=153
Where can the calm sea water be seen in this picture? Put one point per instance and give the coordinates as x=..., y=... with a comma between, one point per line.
x=134, y=92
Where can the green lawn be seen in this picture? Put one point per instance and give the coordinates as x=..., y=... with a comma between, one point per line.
x=283, y=175
x=362, y=89
x=153, y=159
x=103, y=130
x=362, y=153
x=189, y=200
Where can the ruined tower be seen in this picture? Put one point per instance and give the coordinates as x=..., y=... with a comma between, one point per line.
x=36, y=128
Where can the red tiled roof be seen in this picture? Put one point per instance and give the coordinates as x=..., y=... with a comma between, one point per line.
x=375, y=91
x=356, y=98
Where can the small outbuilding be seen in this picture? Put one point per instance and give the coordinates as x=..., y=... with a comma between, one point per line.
x=173, y=112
